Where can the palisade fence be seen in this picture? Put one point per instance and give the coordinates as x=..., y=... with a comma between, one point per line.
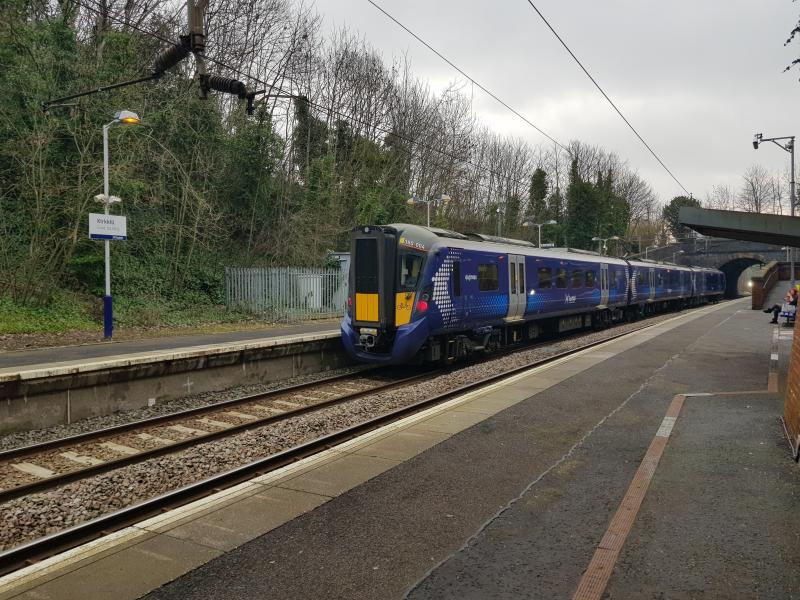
x=285, y=293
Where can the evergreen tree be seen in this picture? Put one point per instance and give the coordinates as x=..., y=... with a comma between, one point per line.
x=583, y=210
x=310, y=136
x=671, y=215
x=537, y=197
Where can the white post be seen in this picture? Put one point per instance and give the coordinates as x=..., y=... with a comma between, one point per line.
x=540, y=235
x=792, y=202
x=428, y=203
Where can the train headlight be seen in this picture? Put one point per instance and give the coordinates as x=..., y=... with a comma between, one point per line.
x=422, y=306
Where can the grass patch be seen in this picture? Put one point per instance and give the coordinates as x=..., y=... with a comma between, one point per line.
x=157, y=312
x=134, y=317
x=64, y=312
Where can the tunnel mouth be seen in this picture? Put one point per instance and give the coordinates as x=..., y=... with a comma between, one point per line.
x=733, y=269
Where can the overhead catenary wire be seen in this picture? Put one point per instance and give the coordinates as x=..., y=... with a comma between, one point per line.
x=461, y=71
x=329, y=110
x=605, y=95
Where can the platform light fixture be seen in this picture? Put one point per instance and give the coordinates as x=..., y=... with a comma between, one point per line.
x=123, y=117
x=414, y=200
x=539, y=225
x=602, y=247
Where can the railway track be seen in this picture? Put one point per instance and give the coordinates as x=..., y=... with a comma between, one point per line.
x=47, y=465
x=19, y=556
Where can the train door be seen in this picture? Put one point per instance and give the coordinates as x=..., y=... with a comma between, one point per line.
x=603, y=284
x=372, y=272
x=652, y=284
x=517, y=282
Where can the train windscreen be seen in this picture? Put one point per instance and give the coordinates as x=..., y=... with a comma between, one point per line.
x=367, y=266
x=410, y=271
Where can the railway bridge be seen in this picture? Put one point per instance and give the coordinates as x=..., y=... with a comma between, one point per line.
x=730, y=256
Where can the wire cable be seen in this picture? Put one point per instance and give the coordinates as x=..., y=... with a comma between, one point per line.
x=329, y=110
x=610, y=101
x=478, y=84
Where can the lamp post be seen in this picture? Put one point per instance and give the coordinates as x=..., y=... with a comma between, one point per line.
x=789, y=147
x=674, y=254
x=601, y=242
x=539, y=225
x=648, y=248
x=444, y=198
x=124, y=117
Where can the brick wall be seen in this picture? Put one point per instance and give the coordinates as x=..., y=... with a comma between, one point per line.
x=791, y=399
x=763, y=283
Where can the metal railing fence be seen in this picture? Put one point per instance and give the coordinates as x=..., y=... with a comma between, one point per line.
x=286, y=293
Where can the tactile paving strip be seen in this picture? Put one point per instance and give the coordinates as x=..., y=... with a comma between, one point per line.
x=595, y=578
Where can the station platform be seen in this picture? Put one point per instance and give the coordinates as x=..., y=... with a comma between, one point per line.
x=42, y=359
x=652, y=466
x=58, y=386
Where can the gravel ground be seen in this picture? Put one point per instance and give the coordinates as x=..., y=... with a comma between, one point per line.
x=35, y=436
x=47, y=512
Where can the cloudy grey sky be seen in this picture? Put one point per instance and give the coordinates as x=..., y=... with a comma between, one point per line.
x=696, y=77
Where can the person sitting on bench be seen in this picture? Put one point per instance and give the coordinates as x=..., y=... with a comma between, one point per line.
x=791, y=298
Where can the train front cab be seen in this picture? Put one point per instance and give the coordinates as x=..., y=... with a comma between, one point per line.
x=384, y=286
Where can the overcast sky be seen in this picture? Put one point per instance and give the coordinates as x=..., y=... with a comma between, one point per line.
x=697, y=78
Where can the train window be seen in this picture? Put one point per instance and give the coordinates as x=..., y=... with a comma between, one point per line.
x=561, y=278
x=513, y=272
x=488, y=281
x=545, y=278
x=456, y=278
x=410, y=271
x=577, y=278
x=367, y=266
x=521, y=278
x=591, y=279
x=639, y=278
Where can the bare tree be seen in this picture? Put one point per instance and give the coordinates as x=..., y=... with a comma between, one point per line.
x=755, y=194
x=722, y=197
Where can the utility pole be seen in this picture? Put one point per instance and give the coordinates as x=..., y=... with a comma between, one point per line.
x=196, y=10
x=788, y=147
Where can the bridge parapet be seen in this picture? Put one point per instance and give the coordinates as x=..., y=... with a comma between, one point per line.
x=714, y=252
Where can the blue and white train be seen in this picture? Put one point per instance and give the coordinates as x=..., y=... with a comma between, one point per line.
x=420, y=294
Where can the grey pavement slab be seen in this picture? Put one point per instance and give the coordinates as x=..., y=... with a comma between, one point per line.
x=720, y=520
x=511, y=507
x=166, y=557
x=108, y=349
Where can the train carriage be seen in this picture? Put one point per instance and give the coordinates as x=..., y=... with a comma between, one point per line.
x=419, y=293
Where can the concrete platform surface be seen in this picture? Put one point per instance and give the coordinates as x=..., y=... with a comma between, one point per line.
x=509, y=492
x=10, y=361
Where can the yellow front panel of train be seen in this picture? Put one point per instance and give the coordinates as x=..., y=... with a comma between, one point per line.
x=403, y=303
x=367, y=307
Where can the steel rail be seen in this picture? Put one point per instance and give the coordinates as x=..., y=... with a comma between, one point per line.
x=41, y=548
x=124, y=461
x=116, y=429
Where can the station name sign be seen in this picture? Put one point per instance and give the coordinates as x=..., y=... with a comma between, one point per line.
x=107, y=227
